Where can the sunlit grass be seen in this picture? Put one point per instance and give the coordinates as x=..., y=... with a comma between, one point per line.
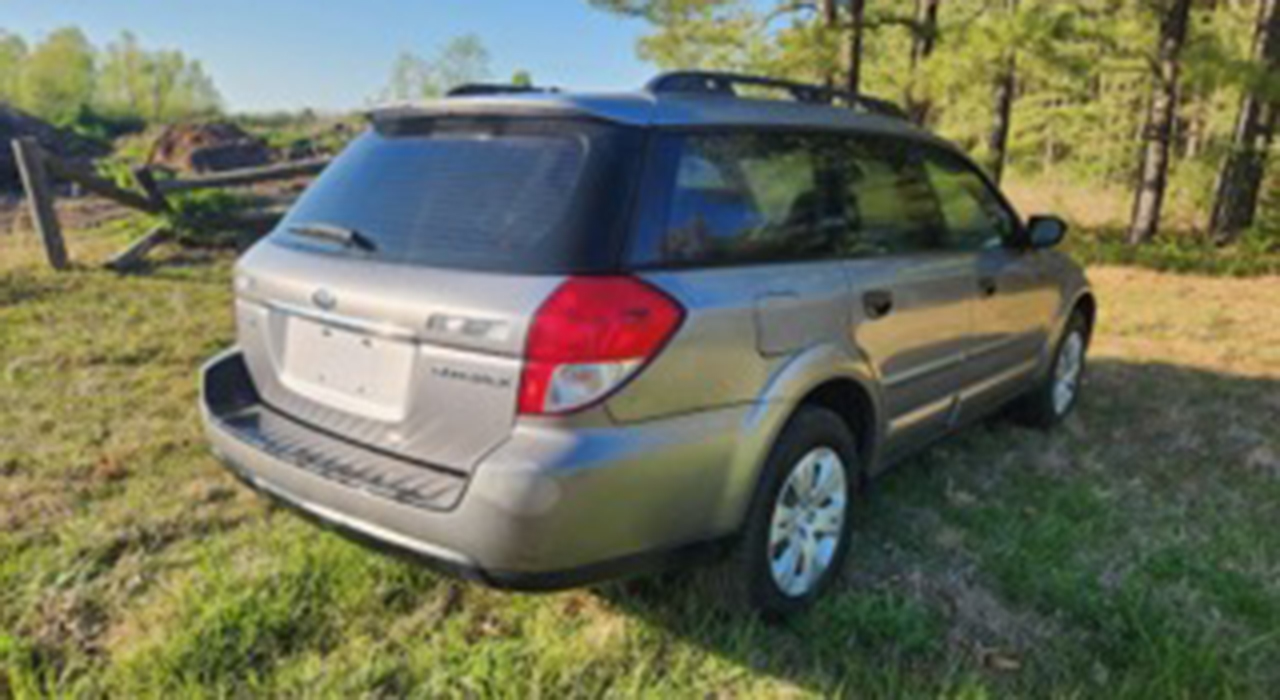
x=1134, y=552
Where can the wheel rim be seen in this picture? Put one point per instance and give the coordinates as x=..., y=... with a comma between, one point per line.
x=808, y=522
x=1066, y=379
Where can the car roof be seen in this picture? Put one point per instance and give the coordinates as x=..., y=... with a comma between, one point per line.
x=647, y=108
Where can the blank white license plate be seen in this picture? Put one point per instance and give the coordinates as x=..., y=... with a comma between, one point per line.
x=354, y=372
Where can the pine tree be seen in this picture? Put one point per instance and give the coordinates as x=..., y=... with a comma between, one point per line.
x=1097, y=91
x=831, y=23
x=1236, y=199
x=853, y=51
x=1001, y=123
x=923, y=42
x=1158, y=134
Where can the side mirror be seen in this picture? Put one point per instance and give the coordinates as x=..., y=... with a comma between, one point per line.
x=1045, y=231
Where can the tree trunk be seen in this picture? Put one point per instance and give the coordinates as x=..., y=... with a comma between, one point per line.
x=1158, y=134
x=853, y=55
x=830, y=14
x=998, y=142
x=1236, y=195
x=1197, y=127
x=926, y=34
x=1005, y=87
x=831, y=23
x=922, y=45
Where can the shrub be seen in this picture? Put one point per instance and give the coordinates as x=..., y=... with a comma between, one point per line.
x=1256, y=253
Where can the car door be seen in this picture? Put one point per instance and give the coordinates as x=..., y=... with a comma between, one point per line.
x=910, y=295
x=1016, y=298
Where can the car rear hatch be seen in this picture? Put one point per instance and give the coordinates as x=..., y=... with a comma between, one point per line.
x=390, y=308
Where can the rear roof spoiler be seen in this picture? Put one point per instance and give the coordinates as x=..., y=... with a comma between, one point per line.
x=474, y=89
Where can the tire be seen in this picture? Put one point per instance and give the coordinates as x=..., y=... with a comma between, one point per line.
x=817, y=440
x=1051, y=401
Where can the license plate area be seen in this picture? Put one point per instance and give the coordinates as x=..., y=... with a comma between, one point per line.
x=355, y=372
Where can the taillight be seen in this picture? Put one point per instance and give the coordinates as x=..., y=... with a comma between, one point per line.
x=590, y=336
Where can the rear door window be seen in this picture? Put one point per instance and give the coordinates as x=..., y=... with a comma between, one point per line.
x=496, y=194
x=743, y=197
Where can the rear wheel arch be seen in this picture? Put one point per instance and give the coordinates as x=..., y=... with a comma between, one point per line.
x=824, y=376
x=856, y=406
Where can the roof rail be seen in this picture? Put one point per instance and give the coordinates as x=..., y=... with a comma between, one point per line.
x=721, y=83
x=470, y=89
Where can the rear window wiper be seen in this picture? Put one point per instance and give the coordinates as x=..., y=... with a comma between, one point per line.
x=338, y=234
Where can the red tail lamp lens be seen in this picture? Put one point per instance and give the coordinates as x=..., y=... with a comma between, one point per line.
x=591, y=336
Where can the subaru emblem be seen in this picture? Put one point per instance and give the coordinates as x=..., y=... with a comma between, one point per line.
x=324, y=299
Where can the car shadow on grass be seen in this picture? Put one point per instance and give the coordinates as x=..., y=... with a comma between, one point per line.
x=1030, y=560
x=184, y=263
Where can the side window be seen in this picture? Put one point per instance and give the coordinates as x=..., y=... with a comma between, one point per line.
x=888, y=206
x=975, y=217
x=745, y=197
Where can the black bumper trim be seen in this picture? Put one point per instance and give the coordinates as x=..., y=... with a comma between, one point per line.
x=233, y=406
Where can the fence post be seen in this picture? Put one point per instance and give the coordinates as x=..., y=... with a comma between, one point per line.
x=35, y=179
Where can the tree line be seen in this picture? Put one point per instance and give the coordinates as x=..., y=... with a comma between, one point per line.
x=464, y=59
x=1137, y=93
x=66, y=80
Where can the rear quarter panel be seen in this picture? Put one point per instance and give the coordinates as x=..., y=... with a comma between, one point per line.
x=722, y=356
x=711, y=361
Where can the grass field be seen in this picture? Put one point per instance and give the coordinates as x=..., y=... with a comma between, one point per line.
x=1135, y=552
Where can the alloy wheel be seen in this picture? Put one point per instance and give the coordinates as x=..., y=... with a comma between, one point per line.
x=1067, y=373
x=808, y=521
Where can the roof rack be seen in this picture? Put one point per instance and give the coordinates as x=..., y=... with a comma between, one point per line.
x=721, y=83
x=471, y=89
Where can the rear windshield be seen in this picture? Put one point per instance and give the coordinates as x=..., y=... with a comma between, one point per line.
x=518, y=195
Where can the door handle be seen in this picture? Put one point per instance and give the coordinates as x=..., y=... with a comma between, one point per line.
x=988, y=286
x=877, y=303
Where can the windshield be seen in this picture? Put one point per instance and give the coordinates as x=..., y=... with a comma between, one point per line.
x=496, y=194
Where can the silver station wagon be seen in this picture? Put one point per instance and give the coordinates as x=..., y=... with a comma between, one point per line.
x=542, y=339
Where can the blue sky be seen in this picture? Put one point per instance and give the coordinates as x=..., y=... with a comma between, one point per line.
x=333, y=54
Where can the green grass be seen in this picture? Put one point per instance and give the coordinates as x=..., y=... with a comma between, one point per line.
x=1257, y=252
x=1132, y=553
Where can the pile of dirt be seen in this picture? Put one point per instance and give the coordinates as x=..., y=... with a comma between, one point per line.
x=15, y=123
x=208, y=147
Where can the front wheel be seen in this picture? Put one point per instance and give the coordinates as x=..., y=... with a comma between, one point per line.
x=1056, y=395
x=797, y=534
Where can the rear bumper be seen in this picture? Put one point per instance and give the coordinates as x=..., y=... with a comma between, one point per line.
x=549, y=508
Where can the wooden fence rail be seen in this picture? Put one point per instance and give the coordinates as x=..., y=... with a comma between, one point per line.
x=102, y=187
x=246, y=176
x=36, y=167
